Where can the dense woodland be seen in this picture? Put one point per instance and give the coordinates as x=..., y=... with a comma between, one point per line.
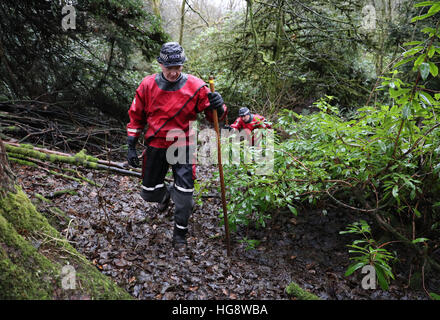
x=351, y=88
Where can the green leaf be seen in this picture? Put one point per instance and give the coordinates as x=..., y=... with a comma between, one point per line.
x=396, y=191
x=434, y=9
x=424, y=70
x=412, y=51
x=412, y=43
x=424, y=96
x=431, y=51
x=419, y=240
x=353, y=268
x=381, y=279
x=434, y=296
x=412, y=194
x=394, y=93
x=433, y=69
x=382, y=145
x=424, y=4
x=419, y=60
x=418, y=214
x=428, y=30
x=292, y=209
x=406, y=111
x=418, y=18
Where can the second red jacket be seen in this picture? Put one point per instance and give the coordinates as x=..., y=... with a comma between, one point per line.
x=256, y=122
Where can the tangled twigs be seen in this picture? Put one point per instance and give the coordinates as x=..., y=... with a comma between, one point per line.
x=61, y=244
x=53, y=126
x=347, y=206
x=294, y=159
x=35, y=134
x=353, y=208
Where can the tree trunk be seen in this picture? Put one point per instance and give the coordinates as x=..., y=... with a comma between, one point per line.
x=6, y=175
x=182, y=21
x=251, y=19
x=279, y=32
x=10, y=74
x=156, y=7
x=29, y=273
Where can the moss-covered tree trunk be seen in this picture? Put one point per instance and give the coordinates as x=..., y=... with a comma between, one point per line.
x=6, y=175
x=36, y=261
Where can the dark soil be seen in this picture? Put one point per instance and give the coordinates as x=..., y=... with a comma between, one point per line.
x=128, y=240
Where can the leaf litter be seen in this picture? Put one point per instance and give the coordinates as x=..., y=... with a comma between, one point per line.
x=128, y=240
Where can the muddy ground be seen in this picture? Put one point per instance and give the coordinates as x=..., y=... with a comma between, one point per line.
x=128, y=240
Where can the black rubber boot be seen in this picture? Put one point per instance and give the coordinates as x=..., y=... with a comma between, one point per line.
x=165, y=203
x=179, y=238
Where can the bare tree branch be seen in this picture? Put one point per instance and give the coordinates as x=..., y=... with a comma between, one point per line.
x=196, y=12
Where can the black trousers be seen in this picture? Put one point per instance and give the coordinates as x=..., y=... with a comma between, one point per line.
x=155, y=166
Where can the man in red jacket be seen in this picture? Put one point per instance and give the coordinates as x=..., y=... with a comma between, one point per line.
x=167, y=102
x=249, y=122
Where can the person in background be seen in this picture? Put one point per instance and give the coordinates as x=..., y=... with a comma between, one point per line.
x=249, y=122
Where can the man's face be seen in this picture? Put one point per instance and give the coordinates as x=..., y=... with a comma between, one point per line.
x=246, y=118
x=171, y=73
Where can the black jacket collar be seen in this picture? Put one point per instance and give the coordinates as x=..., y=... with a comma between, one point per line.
x=166, y=85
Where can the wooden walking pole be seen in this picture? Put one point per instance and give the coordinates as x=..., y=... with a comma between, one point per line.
x=220, y=167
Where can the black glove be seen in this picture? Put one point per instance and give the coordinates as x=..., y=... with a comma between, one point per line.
x=216, y=102
x=132, y=157
x=227, y=127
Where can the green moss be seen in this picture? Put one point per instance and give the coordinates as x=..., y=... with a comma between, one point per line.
x=32, y=254
x=27, y=151
x=18, y=158
x=295, y=290
x=41, y=198
x=55, y=216
x=65, y=176
x=23, y=272
x=82, y=156
x=22, y=162
x=60, y=213
x=93, y=165
x=21, y=213
x=71, y=192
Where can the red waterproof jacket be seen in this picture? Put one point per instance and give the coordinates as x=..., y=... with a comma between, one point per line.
x=257, y=121
x=157, y=100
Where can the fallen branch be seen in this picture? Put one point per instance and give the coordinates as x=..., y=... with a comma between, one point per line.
x=30, y=152
x=104, y=162
x=36, y=163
